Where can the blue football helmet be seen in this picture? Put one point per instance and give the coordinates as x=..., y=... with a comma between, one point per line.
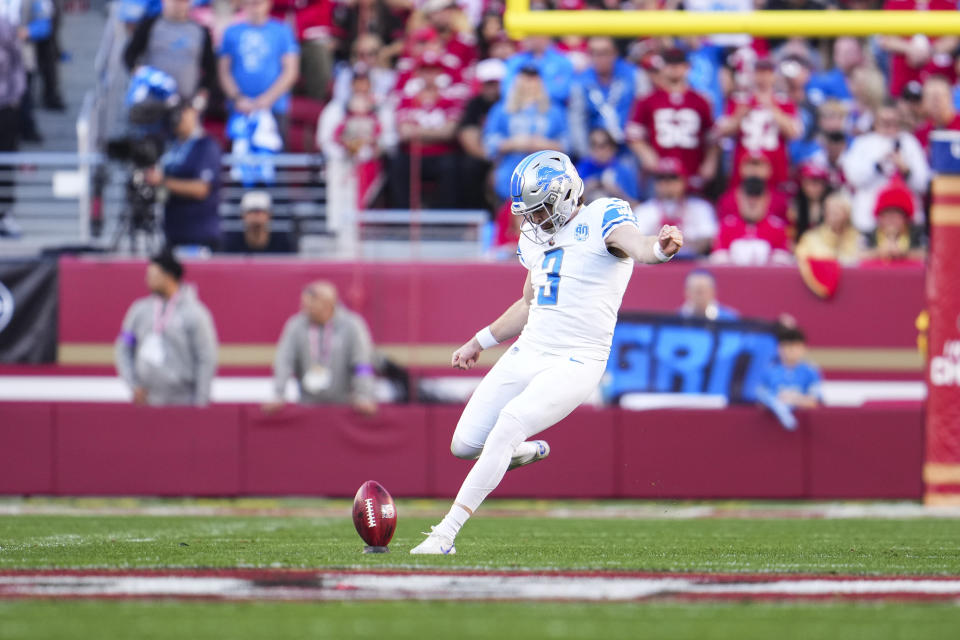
x=548, y=181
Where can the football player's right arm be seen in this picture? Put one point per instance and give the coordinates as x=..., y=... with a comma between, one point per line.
x=508, y=325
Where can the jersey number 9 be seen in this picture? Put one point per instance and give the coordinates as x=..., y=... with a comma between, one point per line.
x=547, y=294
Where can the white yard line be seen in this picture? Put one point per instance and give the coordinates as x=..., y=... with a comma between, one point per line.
x=453, y=586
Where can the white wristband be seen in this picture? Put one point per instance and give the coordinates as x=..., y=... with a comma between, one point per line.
x=486, y=339
x=658, y=252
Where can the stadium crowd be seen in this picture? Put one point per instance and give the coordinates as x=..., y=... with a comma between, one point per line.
x=759, y=149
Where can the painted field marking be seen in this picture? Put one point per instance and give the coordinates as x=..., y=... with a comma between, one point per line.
x=452, y=585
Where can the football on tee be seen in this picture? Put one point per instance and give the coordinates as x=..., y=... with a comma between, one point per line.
x=374, y=516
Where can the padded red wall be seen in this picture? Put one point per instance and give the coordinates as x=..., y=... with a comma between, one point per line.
x=75, y=449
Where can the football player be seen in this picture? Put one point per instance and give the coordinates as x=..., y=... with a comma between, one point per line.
x=579, y=260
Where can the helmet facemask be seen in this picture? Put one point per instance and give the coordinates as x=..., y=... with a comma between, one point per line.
x=559, y=204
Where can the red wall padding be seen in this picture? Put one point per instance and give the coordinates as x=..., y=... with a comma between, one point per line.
x=26, y=448
x=445, y=303
x=112, y=449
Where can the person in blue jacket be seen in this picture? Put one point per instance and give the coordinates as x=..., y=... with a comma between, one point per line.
x=524, y=122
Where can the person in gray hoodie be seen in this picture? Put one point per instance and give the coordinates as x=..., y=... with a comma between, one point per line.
x=167, y=349
x=327, y=348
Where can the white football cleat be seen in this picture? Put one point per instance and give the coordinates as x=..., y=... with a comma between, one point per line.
x=543, y=450
x=435, y=544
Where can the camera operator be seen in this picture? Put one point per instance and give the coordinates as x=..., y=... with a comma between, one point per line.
x=175, y=44
x=190, y=172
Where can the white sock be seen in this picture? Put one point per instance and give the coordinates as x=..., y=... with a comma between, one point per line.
x=524, y=453
x=451, y=524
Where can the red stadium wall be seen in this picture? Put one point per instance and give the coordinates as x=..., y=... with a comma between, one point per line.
x=868, y=327
x=96, y=449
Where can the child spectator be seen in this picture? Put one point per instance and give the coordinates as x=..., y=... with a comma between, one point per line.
x=895, y=240
x=835, y=238
x=426, y=127
x=671, y=205
x=793, y=382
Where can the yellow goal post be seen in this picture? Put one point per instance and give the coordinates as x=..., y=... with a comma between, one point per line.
x=520, y=22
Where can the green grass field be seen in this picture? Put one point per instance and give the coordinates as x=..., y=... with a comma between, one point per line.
x=861, y=546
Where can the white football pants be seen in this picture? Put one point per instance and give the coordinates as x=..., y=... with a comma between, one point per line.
x=526, y=392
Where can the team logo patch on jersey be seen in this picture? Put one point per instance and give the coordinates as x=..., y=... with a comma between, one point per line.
x=582, y=232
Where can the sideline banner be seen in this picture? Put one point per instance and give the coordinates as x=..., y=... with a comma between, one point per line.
x=28, y=311
x=661, y=353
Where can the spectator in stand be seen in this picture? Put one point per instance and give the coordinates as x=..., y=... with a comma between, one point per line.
x=385, y=18
x=13, y=82
x=425, y=56
x=426, y=127
x=917, y=57
x=910, y=106
x=257, y=236
x=259, y=64
x=832, y=140
x=869, y=89
x=675, y=122
x=895, y=239
x=792, y=383
x=752, y=228
x=489, y=31
x=475, y=166
x=526, y=121
x=795, y=70
x=452, y=29
x=875, y=158
x=43, y=37
x=671, y=205
x=316, y=31
x=600, y=96
x=700, y=298
x=835, y=238
x=174, y=44
x=554, y=68
x=806, y=208
x=834, y=84
x=190, y=172
x=327, y=349
x=761, y=121
x=35, y=22
x=365, y=54
x=938, y=109
x=606, y=174
x=167, y=350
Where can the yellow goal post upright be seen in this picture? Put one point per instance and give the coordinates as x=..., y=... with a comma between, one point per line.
x=941, y=472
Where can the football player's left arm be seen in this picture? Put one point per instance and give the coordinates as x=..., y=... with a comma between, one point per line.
x=627, y=241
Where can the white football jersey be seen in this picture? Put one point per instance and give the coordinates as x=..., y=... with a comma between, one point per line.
x=578, y=284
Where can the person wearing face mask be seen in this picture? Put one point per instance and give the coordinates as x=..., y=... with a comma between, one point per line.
x=672, y=205
x=752, y=227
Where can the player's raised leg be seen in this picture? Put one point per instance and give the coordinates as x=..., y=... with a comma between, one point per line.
x=551, y=395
